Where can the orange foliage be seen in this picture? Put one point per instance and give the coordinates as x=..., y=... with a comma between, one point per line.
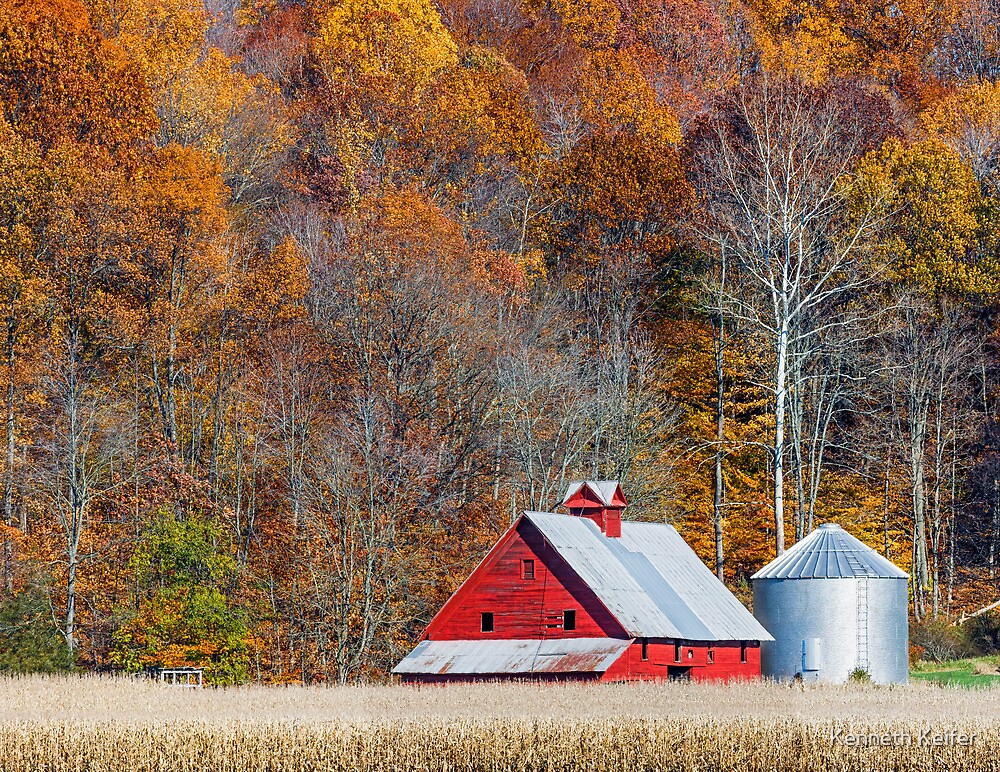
x=59, y=80
x=820, y=40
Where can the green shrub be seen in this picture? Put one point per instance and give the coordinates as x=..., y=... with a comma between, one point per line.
x=183, y=618
x=29, y=640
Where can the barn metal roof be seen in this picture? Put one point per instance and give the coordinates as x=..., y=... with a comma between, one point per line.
x=650, y=580
x=830, y=552
x=605, y=489
x=560, y=655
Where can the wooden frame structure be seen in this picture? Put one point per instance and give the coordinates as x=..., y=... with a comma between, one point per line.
x=191, y=677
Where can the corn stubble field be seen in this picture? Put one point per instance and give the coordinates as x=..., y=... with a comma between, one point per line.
x=123, y=725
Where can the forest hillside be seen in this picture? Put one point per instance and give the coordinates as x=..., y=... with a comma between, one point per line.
x=302, y=301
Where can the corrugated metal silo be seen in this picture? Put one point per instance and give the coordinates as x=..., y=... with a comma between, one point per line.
x=833, y=604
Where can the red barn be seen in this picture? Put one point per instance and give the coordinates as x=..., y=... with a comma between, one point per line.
x=586, y=596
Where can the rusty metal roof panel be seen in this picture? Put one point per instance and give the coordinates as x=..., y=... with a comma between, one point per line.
x=830, y=552
x=650, y=580
x=511, y=657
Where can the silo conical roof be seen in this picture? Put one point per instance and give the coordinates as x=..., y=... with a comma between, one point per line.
x=830, y=552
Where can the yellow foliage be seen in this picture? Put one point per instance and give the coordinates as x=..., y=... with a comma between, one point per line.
x=976, y=105
x=940, y=219
x=747, y=519
x=484, y=103
x=614, y=94
x=396, y=46
x=165, y=36
x=532, y=265
x=821, y=39
x=593, y=23
x=201, y=98
x=59, y=79
x=476, y=120
x=815, y=49
x=379, y=57
x=275, y=288
x=968, y=121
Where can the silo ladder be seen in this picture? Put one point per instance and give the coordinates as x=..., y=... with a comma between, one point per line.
x=862, y=611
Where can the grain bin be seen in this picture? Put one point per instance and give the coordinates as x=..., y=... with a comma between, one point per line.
x=833, y=605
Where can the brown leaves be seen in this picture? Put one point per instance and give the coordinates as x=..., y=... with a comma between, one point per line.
x=59, y=80
x=620, y=192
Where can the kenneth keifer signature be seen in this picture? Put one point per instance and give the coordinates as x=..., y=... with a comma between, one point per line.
x=925, y=737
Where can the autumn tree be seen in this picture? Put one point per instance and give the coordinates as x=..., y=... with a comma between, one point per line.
x=969, y=51
x=87, y=234
x=61, y=81
x=823, y=40
x=23, y=181
x=771, y=169
x=172, y=273
x=400, y=460
x=183, y=617
x=939, y=243
x=968, y=122
x=685, y=48
x=378, y=58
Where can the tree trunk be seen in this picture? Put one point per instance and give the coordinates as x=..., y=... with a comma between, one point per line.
x=994, y=529
x=75, y=499
x=779, y=439
x=720, y=436
x=69, y=629
x=8, y=483
x=918, y=498
x=937, y=524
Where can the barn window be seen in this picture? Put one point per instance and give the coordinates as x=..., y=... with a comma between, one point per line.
x=690, y=653
x=677, y=652
x=645, y=649
x=569, y=620
x=743, y=651
x=527, y=569
x=711, y=656
x=486, y=621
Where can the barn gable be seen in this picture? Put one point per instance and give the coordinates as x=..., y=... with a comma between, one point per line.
x=523, y=607
x=607, y=493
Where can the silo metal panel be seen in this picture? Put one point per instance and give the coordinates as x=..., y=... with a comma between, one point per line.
x=889, y=639
x=833, y=587
x=794, y=610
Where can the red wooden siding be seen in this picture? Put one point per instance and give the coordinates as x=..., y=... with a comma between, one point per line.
x=523, y=608
x=631, y=667
x=586, y=503
x=726, y=666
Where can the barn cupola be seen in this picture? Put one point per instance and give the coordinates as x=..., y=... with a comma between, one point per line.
x=599, y=500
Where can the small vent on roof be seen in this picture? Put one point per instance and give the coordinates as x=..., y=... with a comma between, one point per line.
x=599, y=500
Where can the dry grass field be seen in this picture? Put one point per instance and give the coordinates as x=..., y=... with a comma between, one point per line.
x=121, y=725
